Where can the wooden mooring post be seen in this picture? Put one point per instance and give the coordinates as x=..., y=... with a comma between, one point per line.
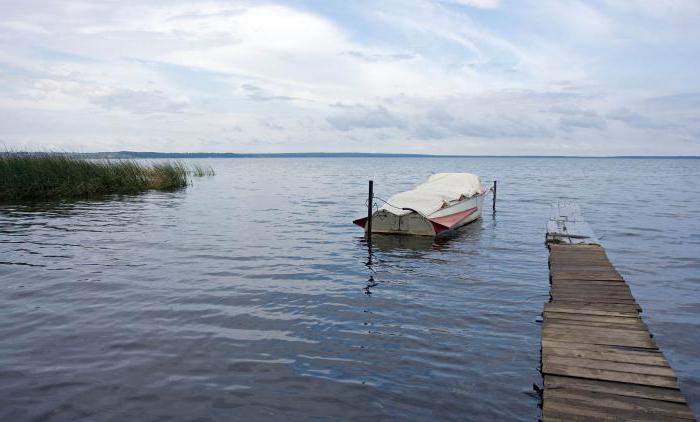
x=494, y=195
x=599, y=361
x=370, y=199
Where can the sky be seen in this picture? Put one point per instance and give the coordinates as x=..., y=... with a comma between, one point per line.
x=472, y=77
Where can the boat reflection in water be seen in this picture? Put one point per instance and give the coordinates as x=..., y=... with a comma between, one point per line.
x=400, y=250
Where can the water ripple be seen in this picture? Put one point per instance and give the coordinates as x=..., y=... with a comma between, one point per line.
x=251, y=296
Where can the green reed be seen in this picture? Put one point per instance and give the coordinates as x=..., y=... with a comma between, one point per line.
x=201, y=171
x=28, y=176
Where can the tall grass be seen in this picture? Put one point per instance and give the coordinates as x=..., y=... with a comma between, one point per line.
x=201, y=171
x=58, y=176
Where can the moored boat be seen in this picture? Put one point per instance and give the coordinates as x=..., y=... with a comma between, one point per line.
x=444, y=202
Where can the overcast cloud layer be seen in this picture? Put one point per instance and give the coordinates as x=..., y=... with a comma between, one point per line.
x=565, y=77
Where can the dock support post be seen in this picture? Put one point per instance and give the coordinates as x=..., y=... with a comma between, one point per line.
x=494, y=196
x=370, y=199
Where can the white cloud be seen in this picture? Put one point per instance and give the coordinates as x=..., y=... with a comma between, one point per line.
x=361, y=117
x=573, y=18
x=633, y=119
x=301, y=55
x=537, y=76
x=666, y=9
x=23, y=27
x=140, y=102
x=482, y=4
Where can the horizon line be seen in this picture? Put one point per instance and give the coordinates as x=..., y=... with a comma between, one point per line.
x=161, y=154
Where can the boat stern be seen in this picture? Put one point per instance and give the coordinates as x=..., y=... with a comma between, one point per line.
x=412, y=223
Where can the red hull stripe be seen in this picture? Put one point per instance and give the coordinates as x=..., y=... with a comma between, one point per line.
x=450, y=220
x=439, y=228
x=361, y=222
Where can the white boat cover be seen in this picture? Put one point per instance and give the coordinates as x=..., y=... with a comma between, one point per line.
x=434, y=194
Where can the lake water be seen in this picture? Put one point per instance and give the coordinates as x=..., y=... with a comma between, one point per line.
x=249, y=295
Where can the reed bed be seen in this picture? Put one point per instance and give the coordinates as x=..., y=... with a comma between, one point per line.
x=63, y=176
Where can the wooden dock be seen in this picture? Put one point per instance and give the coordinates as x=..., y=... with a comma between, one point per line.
x=599, y=361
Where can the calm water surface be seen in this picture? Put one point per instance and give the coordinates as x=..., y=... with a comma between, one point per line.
x=249, y=295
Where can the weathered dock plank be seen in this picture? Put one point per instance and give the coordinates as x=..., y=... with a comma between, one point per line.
x=599, y=360
x=566, y=225
x=553, y=382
